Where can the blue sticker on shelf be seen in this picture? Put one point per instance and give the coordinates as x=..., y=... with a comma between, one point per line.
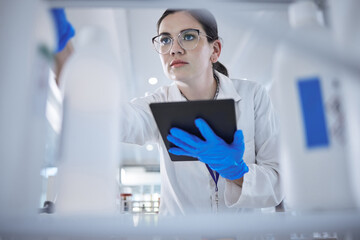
x=313, y=112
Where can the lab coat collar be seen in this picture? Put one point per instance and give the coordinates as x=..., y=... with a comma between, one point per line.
x=175, y=94
x=226, y=91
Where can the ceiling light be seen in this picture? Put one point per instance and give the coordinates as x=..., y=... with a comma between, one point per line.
x=153, y=80
x=49, y=172
x=149, y=147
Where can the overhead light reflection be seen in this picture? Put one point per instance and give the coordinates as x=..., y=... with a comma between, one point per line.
x=153, y=80
x=49, y=172
x=149, y=147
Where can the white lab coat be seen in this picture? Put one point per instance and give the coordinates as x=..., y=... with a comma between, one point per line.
x=187, y=187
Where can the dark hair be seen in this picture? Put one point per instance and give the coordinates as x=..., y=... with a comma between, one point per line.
x=207, y=21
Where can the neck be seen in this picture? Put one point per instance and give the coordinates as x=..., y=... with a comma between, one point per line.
x=202, y=88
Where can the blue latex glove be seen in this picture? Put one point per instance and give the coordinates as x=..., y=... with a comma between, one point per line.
x=224, y=158
x=64, y=29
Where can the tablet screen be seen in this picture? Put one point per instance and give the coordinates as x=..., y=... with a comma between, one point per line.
x=219, y=114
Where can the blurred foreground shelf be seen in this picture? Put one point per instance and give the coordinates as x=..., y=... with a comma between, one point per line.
x=345, y=225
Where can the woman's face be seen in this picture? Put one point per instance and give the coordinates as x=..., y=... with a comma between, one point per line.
x=180, y=64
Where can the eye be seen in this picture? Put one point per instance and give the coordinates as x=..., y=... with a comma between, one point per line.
x=189, y=36
x=165, y=40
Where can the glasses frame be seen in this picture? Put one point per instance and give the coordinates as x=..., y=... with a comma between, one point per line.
x=178, y=39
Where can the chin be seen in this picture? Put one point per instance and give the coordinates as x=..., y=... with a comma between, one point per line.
x=179, y=76
x=178, y=73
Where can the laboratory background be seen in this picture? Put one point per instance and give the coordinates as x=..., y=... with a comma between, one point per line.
x=53, y=186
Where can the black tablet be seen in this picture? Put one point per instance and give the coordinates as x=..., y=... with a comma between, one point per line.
x=219, y=114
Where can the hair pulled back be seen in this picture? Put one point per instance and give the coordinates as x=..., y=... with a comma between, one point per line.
x=208, y=23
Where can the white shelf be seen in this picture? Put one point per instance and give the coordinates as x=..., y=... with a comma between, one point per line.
x=278, y=225
x=240, y=4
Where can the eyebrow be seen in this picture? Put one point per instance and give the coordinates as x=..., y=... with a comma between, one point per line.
x=167, y=33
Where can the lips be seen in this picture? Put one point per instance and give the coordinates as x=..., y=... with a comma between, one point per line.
x=177, y=63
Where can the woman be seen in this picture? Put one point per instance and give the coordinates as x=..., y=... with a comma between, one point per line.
x=247, y=171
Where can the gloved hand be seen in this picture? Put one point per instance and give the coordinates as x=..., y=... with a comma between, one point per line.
x=224, y=158
x=64, y=29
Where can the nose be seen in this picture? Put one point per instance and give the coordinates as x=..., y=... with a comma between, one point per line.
x=176, y=48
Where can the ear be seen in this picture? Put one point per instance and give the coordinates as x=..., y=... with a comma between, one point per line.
x=216, y=51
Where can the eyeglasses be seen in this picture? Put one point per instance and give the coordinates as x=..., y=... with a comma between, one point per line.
x=188, y=39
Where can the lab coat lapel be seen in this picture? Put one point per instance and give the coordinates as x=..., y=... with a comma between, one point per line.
x=175, y=94
x=227, y=89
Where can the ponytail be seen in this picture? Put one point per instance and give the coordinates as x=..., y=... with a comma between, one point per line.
x=220, y=68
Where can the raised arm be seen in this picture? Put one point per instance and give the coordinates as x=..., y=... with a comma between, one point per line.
x=64, y=32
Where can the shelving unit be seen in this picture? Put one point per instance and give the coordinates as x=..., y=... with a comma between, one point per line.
x=343, y=224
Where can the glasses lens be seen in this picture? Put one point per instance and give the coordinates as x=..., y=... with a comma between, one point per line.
x=162, y=43
x=189, y=39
